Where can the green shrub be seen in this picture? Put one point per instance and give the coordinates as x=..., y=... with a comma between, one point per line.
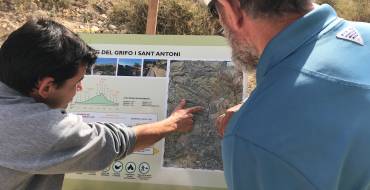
x=54, y=4
x=174, y=17
x=132, y=14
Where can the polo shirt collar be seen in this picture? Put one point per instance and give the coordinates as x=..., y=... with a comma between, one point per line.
x=294, y=36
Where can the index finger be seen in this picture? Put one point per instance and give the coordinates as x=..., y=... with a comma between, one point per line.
x=234, y=108
x=181, y=105
x=195, y=109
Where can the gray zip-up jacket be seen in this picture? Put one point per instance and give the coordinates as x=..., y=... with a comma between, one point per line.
x=38, y=145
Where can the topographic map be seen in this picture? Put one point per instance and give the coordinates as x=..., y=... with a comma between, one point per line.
x=214, y=85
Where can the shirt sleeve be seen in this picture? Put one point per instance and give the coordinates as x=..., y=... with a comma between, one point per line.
x=72, y=145
x=248, y=166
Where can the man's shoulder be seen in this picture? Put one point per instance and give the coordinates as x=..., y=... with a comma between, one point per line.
x=356, y=32
x=338, y=55
x=346, y=32
x=21, y=113
x=364, y=27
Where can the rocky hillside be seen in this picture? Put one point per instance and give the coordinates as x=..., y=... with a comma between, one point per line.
x=109, y=16
x=80, y=16
x=129, y=16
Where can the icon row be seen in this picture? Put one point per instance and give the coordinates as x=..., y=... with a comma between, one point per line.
x=130, y=167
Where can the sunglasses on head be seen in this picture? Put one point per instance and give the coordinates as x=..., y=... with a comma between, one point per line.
x=212, y=8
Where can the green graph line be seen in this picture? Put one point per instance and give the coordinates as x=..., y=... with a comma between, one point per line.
x=98, y=100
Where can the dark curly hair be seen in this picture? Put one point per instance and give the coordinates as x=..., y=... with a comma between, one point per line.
x=42, y=48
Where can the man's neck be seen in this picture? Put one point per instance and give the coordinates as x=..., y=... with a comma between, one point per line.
x=263, y=30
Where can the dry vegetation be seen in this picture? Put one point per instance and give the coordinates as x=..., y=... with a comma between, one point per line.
x=110, y=16
x=358, y=10
x=174, y=17
x=129, y=16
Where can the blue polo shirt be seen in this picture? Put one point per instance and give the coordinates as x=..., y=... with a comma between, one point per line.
x=307, y=124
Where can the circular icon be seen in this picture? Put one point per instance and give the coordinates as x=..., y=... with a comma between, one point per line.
x=117, y=166
x=130, y=167
x=144, y=168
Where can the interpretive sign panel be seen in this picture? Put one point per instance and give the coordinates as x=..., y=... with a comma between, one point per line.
x=140, y=79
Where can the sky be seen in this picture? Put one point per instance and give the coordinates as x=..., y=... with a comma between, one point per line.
x=105, y=61
x=129, y=61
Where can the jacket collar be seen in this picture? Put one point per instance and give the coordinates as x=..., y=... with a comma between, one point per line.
x=295, y=36
x=7, y=91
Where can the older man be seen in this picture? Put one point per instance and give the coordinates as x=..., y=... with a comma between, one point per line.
x=307, y=123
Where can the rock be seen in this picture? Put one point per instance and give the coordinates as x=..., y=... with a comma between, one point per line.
x=41, y=14
x=94, y=29
x=100, y=22
x=33, y=6
x=112, y=27
x=124, y=31
x=82, y=27
x=104, y=16
x=99, y=8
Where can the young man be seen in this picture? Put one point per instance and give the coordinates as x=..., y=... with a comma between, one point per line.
x=307, y=123
x=42, y=65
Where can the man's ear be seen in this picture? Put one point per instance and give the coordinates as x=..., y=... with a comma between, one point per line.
x=231, y=14
x=45, y=87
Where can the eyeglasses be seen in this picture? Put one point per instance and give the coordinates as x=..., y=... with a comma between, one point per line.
x=213, y=9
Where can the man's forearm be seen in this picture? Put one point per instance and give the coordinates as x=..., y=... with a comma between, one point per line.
x=180, y=120
x=148, y=134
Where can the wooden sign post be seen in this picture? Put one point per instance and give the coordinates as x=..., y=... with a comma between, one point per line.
x=151, y=24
